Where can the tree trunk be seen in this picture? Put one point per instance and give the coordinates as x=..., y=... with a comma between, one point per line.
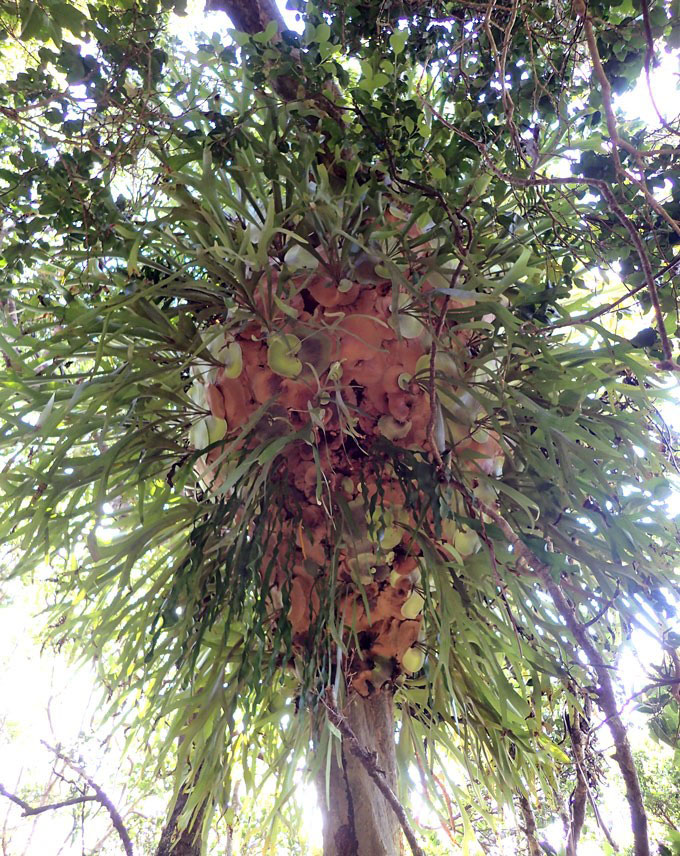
x=249, y=16
x=188, y=841
x=579, y=795
x=533, y=846
x=358, y=821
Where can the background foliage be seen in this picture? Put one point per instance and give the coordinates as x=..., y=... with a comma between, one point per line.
x=147, y=187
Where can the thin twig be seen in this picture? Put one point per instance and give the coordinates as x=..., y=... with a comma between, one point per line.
x=650, y=60
x=667, y=364
x=530, y=562
x=675, y=682
x=604, y=609
x=596, y=313
x=100, y=796
x=617, y=141
x=600, y=822
x=29, y=810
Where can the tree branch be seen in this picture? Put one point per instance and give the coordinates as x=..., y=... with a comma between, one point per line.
x=616, y=139
x=650, y=60
x=252, y=16
x=579, y=796
x=29, y=810
x=530, y=562
x=674, y=684
x=248, y=16
x=529, y=825
x=667, y=364
x=100, y=797
x=600, y=822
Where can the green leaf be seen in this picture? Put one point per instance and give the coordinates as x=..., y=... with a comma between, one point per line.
x=398, y=41
x=33, y=21
x=322, y=33
x=69, y=16
x=267, y=34
x=132, y=267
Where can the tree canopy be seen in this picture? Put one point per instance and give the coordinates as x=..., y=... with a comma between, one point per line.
x=333, y=363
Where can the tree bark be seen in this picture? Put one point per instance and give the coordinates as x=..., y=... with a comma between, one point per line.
x=579, y=795
x=609, y=706
x=533, y=847
x=358, y=820
x=606, y=697
x=252, y=16
x=248, y=16
x=187, y=842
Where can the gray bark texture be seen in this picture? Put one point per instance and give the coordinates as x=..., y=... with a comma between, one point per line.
x=248, y=16
x=358, y=820
x=188, y=841
x=533, y=847
x=579, y=795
